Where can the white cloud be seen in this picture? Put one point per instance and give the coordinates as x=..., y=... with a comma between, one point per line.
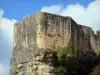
x=52, y=9
x=3, y=70
x=89, y=16
x=6, y=26
x=6, y=41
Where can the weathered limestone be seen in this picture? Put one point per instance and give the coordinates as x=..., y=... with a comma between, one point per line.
x=43, y=31
x=98, y=41
x=87, y=39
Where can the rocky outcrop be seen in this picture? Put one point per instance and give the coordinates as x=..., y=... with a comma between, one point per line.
x=98, y=40
x=43, y=31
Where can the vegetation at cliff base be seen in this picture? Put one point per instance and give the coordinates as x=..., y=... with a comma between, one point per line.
x=66, y=62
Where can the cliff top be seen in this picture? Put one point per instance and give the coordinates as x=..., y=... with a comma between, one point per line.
x=45, y=13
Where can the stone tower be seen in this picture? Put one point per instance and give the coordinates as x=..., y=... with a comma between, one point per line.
x=43, y=31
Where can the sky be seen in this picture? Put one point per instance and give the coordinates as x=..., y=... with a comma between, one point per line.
x=85, y=12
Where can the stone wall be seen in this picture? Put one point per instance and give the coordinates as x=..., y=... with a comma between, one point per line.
x=54, y=31
x=86, y=39
x=98, y=41
x=43, y=31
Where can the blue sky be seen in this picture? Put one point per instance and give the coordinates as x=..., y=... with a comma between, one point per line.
x=85, y=12
x=17, y=9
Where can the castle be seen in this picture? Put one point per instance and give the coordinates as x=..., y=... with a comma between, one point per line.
x=42, y=31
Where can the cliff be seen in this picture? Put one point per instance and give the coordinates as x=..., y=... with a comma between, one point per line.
x=44, y=31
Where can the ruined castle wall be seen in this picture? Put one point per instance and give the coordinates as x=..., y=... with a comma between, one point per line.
x=24, y=43
x=42, y=31
x=98, y=41
x=25, y=37
x=87, y=40
x=74, y=35
x=38, y=32
x=29, y=38
x=93, y=41
x=98, y=44
x=55, y=31
x=81, y=37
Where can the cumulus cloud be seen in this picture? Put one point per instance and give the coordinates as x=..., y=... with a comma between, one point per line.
x=3, y=70
x=6, y=25
x=53, y=9
x=6, y=41
x=88, y=16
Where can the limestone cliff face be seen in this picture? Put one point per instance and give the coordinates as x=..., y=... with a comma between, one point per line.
x=87, y=40
x=43, y=31
x=98, y=41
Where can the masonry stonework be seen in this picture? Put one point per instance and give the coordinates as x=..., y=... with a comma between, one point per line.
x=43, y=31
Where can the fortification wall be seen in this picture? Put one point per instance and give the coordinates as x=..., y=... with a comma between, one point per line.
x=87, y=40
x=98, y=41
x=55, y=31
x=43, y=31
x=25, y=46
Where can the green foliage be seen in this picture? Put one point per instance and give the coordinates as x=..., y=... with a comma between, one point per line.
x=16, y=71
x=18, y=68
x=55, y=61
x=60, y=71
x=67, y=51
x=65, y=62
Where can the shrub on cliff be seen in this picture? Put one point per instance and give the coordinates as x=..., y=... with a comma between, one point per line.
x=64, y=61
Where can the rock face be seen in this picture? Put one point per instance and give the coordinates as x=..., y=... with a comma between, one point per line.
x=43, y=31
x=98, y=40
